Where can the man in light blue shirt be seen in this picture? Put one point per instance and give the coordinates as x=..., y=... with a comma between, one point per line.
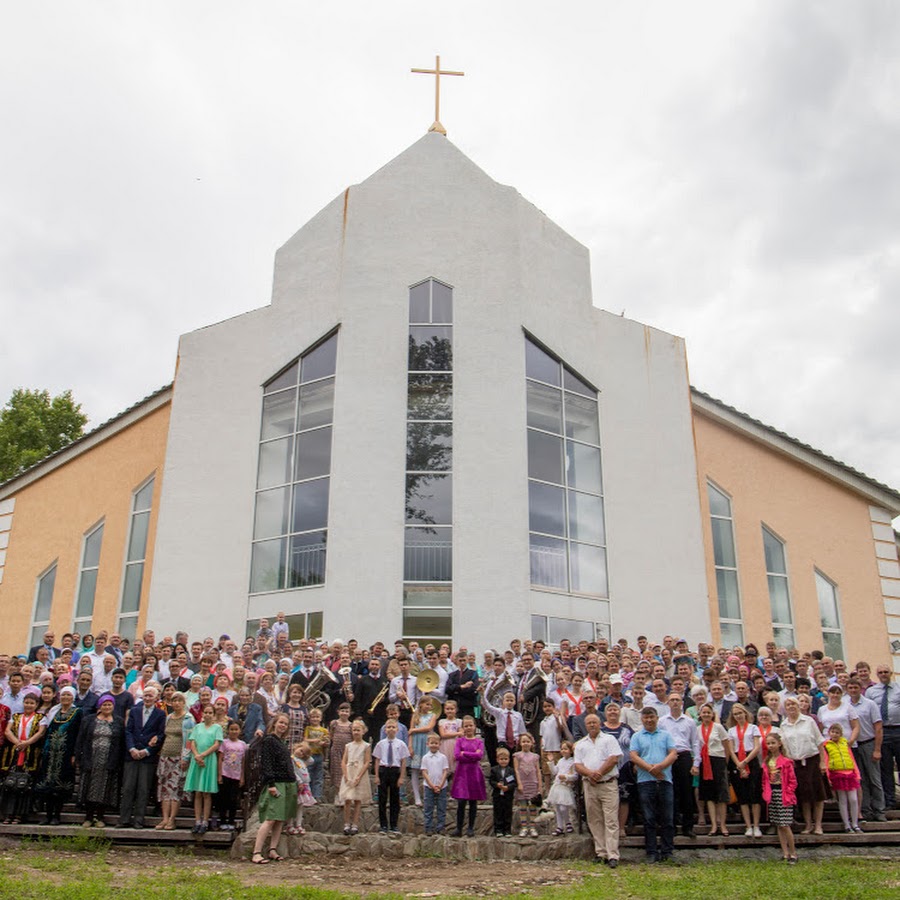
x=652, y=754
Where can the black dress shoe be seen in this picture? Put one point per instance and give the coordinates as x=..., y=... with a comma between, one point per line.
x=126, y=824
x=613, y=864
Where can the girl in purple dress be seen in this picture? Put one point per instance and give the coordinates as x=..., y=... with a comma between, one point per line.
x=468, y=782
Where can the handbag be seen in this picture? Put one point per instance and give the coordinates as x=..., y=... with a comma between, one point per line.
x=17, y=781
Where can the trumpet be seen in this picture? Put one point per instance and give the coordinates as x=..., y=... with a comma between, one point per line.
x=344, y=672
x=378, y=698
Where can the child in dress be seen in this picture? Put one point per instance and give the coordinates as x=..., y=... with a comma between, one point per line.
x=339, y=734
x=502, y=779
x=527, y=766
x=843, y=775
x=355, y=787
x=421, y=726
x=552, y=730
x=449, y=729
x=435, y=769
x=231, y=776
x=561, y=795
x=203, y=775
x=301, y=757
x=780, y=792
x=317, y=738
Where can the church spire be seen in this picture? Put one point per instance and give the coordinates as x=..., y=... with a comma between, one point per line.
x=437, y=72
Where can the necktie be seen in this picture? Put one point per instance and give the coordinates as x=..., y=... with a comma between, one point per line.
x=390, y=755
x=510, y=734
x=884, y=704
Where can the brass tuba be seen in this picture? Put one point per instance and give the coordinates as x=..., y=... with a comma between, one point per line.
x=531, y=708
x=315, y=696
x=494, y=694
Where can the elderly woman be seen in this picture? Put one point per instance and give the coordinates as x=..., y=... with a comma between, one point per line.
x=20, y=759
x=99, y=753
x=56, y=780
x=266, y=696
x=248, y=715
x=173, y=761
x=278, y=799
x=805, y=745
x=296, y=711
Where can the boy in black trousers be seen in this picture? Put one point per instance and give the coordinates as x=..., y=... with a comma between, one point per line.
x=503, y=785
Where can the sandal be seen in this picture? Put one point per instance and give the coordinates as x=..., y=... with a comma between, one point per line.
x=569, y=828
x=169, y=827
x=259, y=860
x=558, y=831
x=274, y=856
x=354, y=830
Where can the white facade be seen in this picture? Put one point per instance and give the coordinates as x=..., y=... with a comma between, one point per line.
x=431, y=213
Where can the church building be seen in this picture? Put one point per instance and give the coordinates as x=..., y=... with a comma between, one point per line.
x=432, y=433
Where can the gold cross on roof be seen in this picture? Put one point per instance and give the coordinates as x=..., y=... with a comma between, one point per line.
x=437, y=72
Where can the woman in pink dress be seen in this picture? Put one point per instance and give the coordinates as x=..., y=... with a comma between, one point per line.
x=468, y=782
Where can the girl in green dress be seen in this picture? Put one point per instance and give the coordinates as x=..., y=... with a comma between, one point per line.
x=203, y=773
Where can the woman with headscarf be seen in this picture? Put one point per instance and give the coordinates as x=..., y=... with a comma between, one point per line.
x=248, y=715
x=56, y=780
x=20, y=759
x=99, y=753
x=173, y=762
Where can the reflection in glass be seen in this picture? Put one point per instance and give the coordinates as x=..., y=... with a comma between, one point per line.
x=582, y=422
x=732, y=634
x=428, y=555
x=784, y=637
x=429, y=446
x=306, y=562
x=573, y=629
x=45, y=597
x=723, y=542
x=583, y=468
x=430, y=397
x=310, y=505
x=430, y=348
x=729, y=598
x=313, y=453
x=719, y=504
x=548, y=562
x=320, y=362
x=429, y=499
x=278, y=414
x=86, y=589
x=316, y=404
x=144, y=497
x=420, y=303
x=544, y=408
x=267, y=565
x=586, y=518
x=272, y=509
x=572, y=382
x=441, y=302
x=588, y=566
x=92, y=548
x=288, y=378
x=546, y=508
x=774, y=553
x=545, y=457
x=131, y=590
x=427, y=623
x=780, y=600
x=540, y=365
x=275, y=462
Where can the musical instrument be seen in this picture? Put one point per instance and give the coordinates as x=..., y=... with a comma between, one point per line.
x=427, y=681
x=378, y=698
x=344, y=672
x=315, y=696
x=494, y=692
x=531, y=708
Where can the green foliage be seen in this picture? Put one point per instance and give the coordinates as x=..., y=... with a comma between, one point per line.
x=33, y=425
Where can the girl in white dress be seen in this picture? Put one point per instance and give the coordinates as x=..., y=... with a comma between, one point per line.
x=355, y=788
x=561, y=796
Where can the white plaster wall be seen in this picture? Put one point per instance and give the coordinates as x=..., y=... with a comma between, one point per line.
x=430, y=212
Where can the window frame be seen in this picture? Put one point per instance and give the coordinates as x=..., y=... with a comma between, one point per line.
x=43, y=625
x=79, y=622
x=835, y=596
x=726, y=620
x=127, y=620
x=785, y=575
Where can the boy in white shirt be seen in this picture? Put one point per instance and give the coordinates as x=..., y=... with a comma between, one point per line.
x=435, y=771
x=390, y=757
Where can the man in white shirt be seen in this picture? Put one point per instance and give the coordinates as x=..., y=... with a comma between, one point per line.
x=867, y=751
x=686, y=737
x=597, y=758
x=102, y=681
x=404, y=692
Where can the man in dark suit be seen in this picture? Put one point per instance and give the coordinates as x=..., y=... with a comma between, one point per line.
x=144, y=733
x=721, y=706
x=85, y=698
x=368, y=687
x=49, y=637
x=307, y=671
x=462, y=686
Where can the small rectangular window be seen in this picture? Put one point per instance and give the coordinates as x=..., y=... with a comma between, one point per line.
x=830, y=616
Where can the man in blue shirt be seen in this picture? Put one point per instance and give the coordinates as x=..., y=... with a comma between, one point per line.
x=652, y=754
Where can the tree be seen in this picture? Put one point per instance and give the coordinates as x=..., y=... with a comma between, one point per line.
x=33, y=425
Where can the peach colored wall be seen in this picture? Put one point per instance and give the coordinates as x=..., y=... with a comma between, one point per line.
x=52, y=516
x=824, y=526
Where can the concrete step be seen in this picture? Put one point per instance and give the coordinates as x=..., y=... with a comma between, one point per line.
x=146, y=836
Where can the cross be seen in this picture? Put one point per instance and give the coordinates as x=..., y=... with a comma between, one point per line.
x=437, y=72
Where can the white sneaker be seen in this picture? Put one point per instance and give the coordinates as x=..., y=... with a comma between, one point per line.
x=749, y=831
x=523, y=832
x=756, y=831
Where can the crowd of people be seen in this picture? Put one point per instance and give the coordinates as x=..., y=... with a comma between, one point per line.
x=663, y=733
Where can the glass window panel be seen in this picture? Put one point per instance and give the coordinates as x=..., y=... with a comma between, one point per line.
x=288, y=378
x=425, y=596
x=92, y=548
x=44, y=599
x=131, y=590
x=86, y=589
x=540, y=365
x=780, y=599
x=272, y=509
x=313, y=624
x=544, y=408
x=306, y=563
x=723, y=542
x=833, y=645
x=268, y=565
x=37, y=635
x=419, y=302
x=582, y=422
x=719, y=504
x=128, y=627
x=428, y=554
x=828, y=608
x=431, y=348
x=583, y=468
x=571, y=382
x=783, y=637
x=137, y=544
x=279, y=412
x=430, y=397
x=316, y=404
x=729, y=598
x=275, y=460
x=546, y=508
x=313, y=453
x=774, y=551
x=545, y=457
x=571, y=629
x=429, y=499
x=429, y=446
x=588, y=569
x=143, y=499
x=441, y=302
x=732, y=634
x=426, y=622
x=548, y=562
x=586, y=518
x=539, y=628
x=319, y=363
x=310, y=505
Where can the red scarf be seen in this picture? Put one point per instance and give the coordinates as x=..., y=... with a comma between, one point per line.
x=742, y=752
x=24, y=728
x=705, y=733
x=575, y=702
x=764, y=734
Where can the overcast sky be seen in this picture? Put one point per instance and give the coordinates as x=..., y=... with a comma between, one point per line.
x=733, y=167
